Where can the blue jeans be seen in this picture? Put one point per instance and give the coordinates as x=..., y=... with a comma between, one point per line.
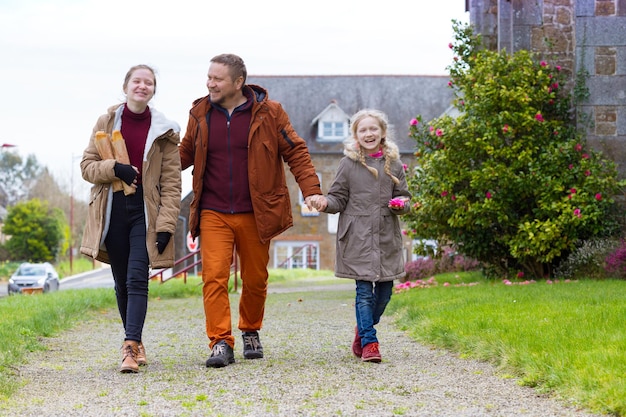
x=371, y=301
x=126, y=246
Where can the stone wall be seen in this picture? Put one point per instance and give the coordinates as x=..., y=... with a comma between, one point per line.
x=586, y=38
x=601, y=54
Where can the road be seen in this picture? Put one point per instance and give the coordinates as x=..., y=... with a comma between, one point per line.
x=98, y=278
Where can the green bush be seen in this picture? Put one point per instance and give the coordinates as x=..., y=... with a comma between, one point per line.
x=510, y=181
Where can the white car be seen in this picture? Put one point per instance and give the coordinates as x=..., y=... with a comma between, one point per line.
x=31, y=277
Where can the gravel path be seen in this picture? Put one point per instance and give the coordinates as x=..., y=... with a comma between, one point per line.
x=308, y=370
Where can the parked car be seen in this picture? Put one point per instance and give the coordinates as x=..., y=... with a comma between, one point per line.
x=33, y=277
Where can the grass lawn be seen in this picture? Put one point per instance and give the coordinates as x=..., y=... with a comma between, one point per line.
x=566, y=338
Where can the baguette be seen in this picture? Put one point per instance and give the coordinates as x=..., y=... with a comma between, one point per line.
x=105, y=149
x=121, y=155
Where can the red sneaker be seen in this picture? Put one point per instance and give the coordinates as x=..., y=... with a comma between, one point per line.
x=356, y=343
x=371, y=353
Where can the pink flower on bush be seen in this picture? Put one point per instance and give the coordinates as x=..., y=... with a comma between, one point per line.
x=578, y=147
x=444, y=193
x=599, y=197
x=572, y=190
x=520, y=274
x=430, y=128
x=404, y=232
x=450, y=45
x=405, y=167
x=439, y=132
x=587, y=173
x=488, y=195
x=505, y=129
x=453, y=197
x=414, y=122
x=558, y=68
x=571, y=166
x=577, y=213
x=543, y=63
x=585, y=156
x=449, y=83
x=539, y=117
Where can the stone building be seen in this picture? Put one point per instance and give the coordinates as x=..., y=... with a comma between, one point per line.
x=586, y=38
x=319, y=108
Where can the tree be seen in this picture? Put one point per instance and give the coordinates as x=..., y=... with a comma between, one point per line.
x=511, y=181
x=36, y=231
x=17, y=176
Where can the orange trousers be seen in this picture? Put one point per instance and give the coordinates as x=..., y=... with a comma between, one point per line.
x=220, y=235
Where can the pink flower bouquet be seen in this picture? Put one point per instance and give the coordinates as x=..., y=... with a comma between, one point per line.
x=396, y=203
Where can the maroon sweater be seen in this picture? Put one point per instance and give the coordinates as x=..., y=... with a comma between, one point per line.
x=226, y=186
x=135, y=129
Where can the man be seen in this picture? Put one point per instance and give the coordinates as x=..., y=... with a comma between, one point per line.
x=238, y=139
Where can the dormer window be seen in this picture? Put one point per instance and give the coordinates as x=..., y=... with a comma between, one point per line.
x=333, y=130
x=333, y=124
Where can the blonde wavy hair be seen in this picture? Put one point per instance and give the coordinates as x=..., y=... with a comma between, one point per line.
x=389, y=148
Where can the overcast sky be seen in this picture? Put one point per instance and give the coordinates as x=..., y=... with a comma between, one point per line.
x=63, y=61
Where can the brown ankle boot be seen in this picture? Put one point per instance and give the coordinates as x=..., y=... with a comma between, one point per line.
x=130, y=350
x=141, y=355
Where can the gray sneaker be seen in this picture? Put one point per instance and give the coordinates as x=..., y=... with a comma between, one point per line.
x=221, y=355
x=252, y=348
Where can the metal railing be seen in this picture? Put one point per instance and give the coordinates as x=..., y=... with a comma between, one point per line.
x=297, y=252
x=163, y=275
x=168, y=273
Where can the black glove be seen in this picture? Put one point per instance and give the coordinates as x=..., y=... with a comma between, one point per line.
x=125, y=172
x=162, y=240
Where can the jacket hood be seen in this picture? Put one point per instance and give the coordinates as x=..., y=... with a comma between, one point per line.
x=160, y=125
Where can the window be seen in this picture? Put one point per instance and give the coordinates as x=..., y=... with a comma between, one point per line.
x=332, y=124
x=333, y=130
x=296, y=255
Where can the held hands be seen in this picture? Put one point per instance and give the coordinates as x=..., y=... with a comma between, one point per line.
x=126, y=173
x=162, y=240
x=317, y=202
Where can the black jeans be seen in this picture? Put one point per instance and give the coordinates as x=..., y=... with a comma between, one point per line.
x=126, y=246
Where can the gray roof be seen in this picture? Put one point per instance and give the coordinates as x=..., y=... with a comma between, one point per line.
x=401, y=97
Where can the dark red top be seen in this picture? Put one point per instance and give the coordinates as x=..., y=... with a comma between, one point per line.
x=226, y=186
x=135, y=127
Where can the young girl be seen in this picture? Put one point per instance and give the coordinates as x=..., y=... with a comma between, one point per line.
x=369, y=192
x=132, y=232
